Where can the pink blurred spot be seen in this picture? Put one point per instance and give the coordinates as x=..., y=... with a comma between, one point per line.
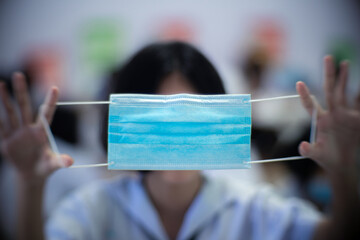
x=177, y=30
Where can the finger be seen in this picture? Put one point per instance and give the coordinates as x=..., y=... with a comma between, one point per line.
x=66, y=160
x=49, y=105
x=341, y=86
x=329, y=84
x=309, y=151
x=305, y=149
x=60, y=161
x=8, y=107
x=54, y=163
x=305, y=96
x=22, y=97
x=308, y=101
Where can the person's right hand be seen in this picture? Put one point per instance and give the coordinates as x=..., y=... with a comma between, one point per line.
x=23, y=140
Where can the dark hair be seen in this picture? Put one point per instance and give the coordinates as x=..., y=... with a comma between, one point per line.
x=144, y=72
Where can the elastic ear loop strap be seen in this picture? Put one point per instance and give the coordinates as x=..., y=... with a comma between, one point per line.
x=50, y=136
x=56, y=151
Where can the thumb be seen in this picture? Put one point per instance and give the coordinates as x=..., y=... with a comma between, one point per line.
x=60, y=161
x=307, y=150
x=65, y=160
x=45, y=168
x=311, y=151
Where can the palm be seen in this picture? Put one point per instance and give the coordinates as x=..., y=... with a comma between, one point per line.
x=333, y=139
x=34, y=151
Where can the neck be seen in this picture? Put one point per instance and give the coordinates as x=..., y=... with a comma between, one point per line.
x=171, y=197
x=172, y=193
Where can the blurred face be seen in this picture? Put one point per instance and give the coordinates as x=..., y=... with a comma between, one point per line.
x=173, y=84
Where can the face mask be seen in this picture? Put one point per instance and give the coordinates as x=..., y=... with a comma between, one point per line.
x=179, y=132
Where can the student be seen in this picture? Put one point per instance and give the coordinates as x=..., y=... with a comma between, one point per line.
x=184, y=204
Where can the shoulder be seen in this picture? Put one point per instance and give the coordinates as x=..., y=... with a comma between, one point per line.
x=99, y=192
x=90, y=207
x=247, y=192
x=260, y=209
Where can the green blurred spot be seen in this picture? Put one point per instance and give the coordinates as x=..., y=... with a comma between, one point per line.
x=102, y=45
x=343, y=50
x=101, y=48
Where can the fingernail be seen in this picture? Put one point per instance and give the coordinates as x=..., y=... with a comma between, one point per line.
x=328, y=57
x=68, y=162
x=345, y=63
x=18, y=74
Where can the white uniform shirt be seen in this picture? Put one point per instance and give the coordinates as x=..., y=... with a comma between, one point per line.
x=223, y=209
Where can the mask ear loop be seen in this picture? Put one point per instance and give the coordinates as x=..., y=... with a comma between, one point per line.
x=82, y=103
x=55, y=149
x=91, y=165
x=313, y=121
x=50, y=137
x=312, y=134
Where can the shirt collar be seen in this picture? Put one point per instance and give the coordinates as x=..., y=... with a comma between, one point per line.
x=210, y=200
x=136, y=203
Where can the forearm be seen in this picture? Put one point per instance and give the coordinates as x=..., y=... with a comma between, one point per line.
x=346, y=205
x=343, y=222
x=30, y=220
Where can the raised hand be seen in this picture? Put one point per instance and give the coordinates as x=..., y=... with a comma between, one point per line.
x=336, y=149
x=337, y=143
x=23, y=139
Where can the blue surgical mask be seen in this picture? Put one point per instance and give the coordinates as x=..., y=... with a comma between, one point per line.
x=179, y=132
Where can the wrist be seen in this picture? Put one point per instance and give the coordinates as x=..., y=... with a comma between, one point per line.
x=31, y=183
x=346, y=188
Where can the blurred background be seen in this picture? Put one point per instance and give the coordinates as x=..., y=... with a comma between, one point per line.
x=259, y=47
